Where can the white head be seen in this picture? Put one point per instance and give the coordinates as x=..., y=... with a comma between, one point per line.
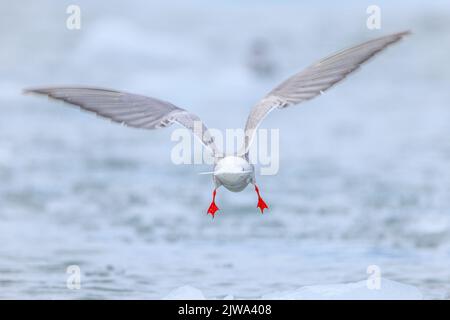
x=234, y=173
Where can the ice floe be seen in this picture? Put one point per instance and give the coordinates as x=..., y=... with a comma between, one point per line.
x=388, y=290
x=185, y=293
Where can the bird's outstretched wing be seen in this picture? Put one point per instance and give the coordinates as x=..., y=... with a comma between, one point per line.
x=314, y=80
x=130, y=109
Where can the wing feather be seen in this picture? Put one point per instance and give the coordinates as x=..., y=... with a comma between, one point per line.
x=129, y=109
x=315, y=80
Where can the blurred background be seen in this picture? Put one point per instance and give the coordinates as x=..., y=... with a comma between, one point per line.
x=364, y=172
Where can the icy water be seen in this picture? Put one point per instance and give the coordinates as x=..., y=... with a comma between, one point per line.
x=364, y=171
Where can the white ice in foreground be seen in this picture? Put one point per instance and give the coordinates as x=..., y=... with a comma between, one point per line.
x=389, y=290
x=185, y=293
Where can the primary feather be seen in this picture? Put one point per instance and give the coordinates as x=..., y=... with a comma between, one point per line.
x=130, y=109
x=315, y=80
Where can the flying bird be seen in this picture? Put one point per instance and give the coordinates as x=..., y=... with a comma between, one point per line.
x=234, y=172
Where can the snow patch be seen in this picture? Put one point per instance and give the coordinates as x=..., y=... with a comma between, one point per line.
x=185, y=293
x=389, y=290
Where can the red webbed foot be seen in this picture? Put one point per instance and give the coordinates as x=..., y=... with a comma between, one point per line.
x=261, y=204
x=212, y=207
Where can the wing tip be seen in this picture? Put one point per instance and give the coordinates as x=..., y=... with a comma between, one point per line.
x=36, y=91
x=398, y=36
x=392, y=37
x=48, y=90
x=404, y=33
x=29, y=91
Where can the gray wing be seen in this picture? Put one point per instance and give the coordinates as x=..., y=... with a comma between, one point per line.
x=130, y=109
x=314, y=80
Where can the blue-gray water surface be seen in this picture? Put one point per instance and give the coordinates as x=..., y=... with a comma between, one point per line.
x=364, y=173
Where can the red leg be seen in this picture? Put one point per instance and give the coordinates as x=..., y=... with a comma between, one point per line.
x=212, y=207
x=261, y=204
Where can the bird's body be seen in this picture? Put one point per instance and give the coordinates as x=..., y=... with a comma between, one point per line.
x=232, y=172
